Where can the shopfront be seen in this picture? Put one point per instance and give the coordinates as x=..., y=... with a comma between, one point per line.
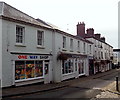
x=73, y=65
x=31, y=68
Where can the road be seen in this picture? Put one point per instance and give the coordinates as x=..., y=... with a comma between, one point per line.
x=84, y=89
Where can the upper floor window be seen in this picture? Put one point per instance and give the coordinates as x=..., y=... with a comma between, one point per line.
x=84, y=47
x=64, y=42
x=78, y=46
x=20, y=33
x=40, y=38
x=90, y=49
x=71, y=44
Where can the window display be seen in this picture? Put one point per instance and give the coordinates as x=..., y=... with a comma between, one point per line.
x=38, y=68
x=81, y=66
x=28, y=69
x=19, y=70
x=67, y=66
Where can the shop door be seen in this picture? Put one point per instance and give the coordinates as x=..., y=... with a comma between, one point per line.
x=47, y=72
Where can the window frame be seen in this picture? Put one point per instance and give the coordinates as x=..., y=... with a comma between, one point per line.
x=71, y=44
x=18, y=35
x=64, y=42
x=42, y=39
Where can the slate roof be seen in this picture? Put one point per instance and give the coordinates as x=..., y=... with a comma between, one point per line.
x=13, y=13
x=9, y=12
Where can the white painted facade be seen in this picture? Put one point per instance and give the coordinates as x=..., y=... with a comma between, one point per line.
x=57, y=60
x=101, y=53
x=10, y=50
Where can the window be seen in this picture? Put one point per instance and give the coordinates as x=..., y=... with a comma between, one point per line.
x=81, y=66
x=67, y=66
x=71, y=44
x=64, y=42
x=28, y=69
x=84, y=48
x=79, y=46
x=101, y=55
x=90, y=49
x=40, y=38
x=20, y=31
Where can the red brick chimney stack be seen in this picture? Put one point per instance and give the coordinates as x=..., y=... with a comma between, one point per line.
x=90, y=32
x=98, y=36
x=81, y=29
x=103, y=39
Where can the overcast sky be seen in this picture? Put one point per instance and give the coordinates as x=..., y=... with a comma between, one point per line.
x=102, y=15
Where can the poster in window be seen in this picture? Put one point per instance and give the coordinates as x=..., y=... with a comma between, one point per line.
x=38, y=68
x=19, y=70
x=30, y=69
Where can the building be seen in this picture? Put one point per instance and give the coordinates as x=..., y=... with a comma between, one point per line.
x=116, y=57
x=102, y=51
x=26, y=48
x=36, y=51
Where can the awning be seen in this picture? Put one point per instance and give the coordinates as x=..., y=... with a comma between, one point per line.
x=65, y=56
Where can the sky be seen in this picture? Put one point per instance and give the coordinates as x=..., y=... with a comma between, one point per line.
x=102, y=15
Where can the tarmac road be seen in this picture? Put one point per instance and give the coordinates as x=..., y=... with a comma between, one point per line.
x=81, y=89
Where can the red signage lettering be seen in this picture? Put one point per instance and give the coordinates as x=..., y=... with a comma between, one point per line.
x=22, y=57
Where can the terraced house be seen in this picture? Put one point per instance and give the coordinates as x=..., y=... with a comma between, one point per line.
x=36, y=51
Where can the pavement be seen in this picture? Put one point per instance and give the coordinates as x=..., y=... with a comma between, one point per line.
x=35, y=88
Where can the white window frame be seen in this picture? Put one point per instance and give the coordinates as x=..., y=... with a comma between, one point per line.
x=20, y=33
x=84, y=48
x=69, y=68
x=41, y=77
x=71, y=44
x=64, y=42
x=40, y=39
x=78, y=46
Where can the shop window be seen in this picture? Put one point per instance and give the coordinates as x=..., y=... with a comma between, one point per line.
x=30, y=69
x=81, y=67
x=67, y=66
x=38, y=68
x=19, y=70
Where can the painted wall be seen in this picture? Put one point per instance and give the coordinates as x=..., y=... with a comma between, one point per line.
x=58, y=76
x=9, y=45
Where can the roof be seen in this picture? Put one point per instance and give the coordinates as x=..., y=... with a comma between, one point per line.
x=11, y=13
x=116, y=50
x=8, y=11
x=97, y=39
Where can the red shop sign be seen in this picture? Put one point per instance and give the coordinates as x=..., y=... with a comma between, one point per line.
x=22, y=57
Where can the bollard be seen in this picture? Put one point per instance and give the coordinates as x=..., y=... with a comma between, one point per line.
x=117, y=87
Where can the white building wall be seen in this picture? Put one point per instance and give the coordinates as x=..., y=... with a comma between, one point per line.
x=9, y=45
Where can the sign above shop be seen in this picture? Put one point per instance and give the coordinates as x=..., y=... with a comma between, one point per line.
x=32, y=57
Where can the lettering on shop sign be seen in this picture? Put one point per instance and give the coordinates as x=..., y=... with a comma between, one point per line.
x=43, y=57
x=22, y=57
x=31, y=57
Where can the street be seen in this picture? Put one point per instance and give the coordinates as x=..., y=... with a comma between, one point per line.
x=81, y=89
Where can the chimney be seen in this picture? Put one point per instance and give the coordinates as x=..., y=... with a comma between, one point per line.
x=90, y=32
x=97, y=36
x=103, y=39
x=81, y=29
